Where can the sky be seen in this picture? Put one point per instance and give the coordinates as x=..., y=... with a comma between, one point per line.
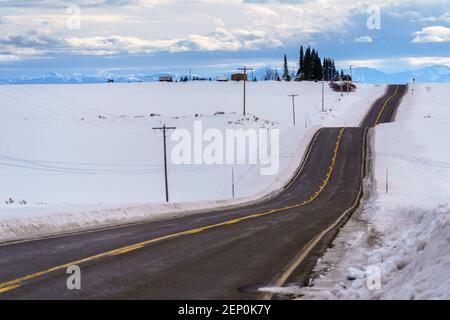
x=137, y=36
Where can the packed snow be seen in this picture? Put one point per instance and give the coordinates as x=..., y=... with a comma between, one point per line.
x=397, y=246
x=77, y=156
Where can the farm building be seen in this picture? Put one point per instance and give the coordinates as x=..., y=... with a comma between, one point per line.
x=165, y=79
x=239, y=77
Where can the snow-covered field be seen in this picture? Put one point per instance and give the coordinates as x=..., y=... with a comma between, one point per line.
x=74, y=156
x=401, y=237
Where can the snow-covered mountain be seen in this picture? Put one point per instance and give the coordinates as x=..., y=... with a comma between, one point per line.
x=436, y=73
x=76, y=78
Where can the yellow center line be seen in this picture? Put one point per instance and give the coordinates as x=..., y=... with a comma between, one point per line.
x=16, y=283
x=385, y=104
x=6, y=289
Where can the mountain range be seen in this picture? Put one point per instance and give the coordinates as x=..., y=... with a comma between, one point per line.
x=435, y=73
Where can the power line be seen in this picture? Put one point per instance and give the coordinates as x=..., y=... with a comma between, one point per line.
x=164, y=130
x=293, y=105
x=323, y=96
x=245, y=69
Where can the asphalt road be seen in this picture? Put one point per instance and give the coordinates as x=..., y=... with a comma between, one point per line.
x=226, y=254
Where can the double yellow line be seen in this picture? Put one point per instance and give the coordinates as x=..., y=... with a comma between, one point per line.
x=385, y=105
x=16, y=283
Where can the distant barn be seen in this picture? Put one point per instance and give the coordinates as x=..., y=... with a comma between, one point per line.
x=239, y=77
x=165, y=79
x=222, y=79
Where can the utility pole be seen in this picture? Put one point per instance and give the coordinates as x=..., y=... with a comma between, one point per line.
x=293, y=105
x=346, y=83
x=323, y=96
x=245, y=69
x=351, y=72
x=164, y=130
x=387, y=180
x=232, y=182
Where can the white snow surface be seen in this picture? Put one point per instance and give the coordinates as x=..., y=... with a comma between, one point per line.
x=404, y=233
x=82, y=156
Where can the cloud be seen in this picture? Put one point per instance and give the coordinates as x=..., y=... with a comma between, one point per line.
x=112, y=27
x=442, y=18
x=8, y=57
x=64, y=4
x=53, y=4
x=432, y=34
x=261, y=10
x=394, y=63
x=365, y=39
x=61, y=19
x=423, y=61
x=29, y=41
x=219, y=40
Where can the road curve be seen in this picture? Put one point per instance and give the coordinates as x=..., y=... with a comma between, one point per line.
x=226, y=254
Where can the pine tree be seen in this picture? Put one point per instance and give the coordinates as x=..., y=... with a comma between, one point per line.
x=301, y=61
x=308, y=64
x=335, y=72
x=328, y=69
x=313, y=68
x=286, y=75
x=318, y=69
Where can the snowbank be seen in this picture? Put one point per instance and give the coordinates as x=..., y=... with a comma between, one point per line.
x=84, y=156
x=402, y=236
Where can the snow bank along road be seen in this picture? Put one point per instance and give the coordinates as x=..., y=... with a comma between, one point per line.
x=225, y=254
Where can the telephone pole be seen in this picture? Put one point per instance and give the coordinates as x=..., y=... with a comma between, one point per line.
x=323, y=96
x=387, y=180
x=293, y=105
x=346, y=83
x=245, y=69
x=351, y=72
x=164, y=130
x=232, y=182
x=351, y=78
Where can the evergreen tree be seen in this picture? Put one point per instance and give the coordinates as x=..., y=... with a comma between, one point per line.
x=301, y=61
x=329, y=71
x=318, y=69
x=286, y=75
x=335, y=72
x=276, y=75
x=308, y=64
x=313, y=68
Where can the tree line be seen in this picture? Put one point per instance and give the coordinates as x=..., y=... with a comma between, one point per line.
x=310, y=68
